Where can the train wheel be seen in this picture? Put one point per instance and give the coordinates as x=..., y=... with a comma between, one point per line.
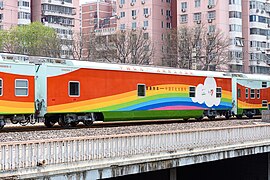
x=199, y=118
x=250, y=116
x=13, y=121
x=227, y=116
x=239, y=116
x=63, y=123
x=185, y=119
x=48, y=123
x=88, y=123
x=25, y=121
x=74, y=123
x=211, y=118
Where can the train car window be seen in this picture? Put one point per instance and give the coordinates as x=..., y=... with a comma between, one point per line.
x=239, y=93
x=1, y=87
x=192, y=91
x=218, y=92
x=264, y=103
x=246, y=93
x=74, y=88
x=141, y=90
x=252, y=93
x=264, y=84
x=21, y=87
x=258, y=94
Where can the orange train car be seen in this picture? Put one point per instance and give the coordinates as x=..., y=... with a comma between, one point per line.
x=87, y=91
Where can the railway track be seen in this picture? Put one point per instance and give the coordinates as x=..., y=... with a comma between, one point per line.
x=41, y=127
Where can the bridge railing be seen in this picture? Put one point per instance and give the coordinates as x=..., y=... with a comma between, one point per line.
x=17, y=155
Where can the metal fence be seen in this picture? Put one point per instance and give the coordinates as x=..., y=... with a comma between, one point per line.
x=28, y=154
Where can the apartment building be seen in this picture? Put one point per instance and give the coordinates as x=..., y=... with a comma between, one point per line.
x=98, y=15
x=62, y=15
x=14, y=12
x=154, y=17
x=99, y=18
x=244, y=22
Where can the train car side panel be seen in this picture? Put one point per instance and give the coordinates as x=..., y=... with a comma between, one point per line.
x=116, y=94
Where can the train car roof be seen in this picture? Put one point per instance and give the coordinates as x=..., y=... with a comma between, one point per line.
x=147, y=69
x=261, y=77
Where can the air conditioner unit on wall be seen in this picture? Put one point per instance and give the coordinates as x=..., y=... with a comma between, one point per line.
x=144, y=28
x=120, y=5
x=146, y=15
x=143, y=1
x=199, y=22
x=210, y=6
x=210, y=20
x=183, y=10
x=132, y=3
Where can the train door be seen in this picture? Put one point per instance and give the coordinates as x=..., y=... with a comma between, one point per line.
x=40, y=89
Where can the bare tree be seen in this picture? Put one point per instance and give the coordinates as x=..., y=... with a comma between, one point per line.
x=131, y=47
x=197, y=48
x=213, y=51
x=169, y=50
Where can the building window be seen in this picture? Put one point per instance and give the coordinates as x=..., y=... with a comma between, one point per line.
x=133, y=13
x=211, y=2
x=1, y=87
x=133, y=1
x=122, y=1
x=197, y=3
x=1, y=16
x=192, y=91
x=1, y=4
x=184, y=5
x=168, y=13
x=145, y=11
x=122, y=14
x=146, y=35
x=264, y=84
x=122, y=26
x=239, y=42
x=197, y=16
x=134, y=25
x=218, y=92
x=141, y=90
x=74, y=88
x=21, y=87
x=145, y=23
x=211, y=28
x=246, y=93
x=235, y=14
x=168, y=25
x=211, y=14
x=162, y=24
x=184, y=18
